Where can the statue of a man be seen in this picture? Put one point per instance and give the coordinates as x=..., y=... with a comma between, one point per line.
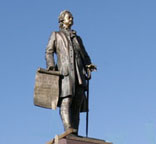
x=75, y=67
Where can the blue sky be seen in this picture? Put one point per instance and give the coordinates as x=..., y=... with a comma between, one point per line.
x=120, y=37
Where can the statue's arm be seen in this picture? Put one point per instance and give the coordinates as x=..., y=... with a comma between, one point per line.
x=84, y=54
x=86, y=59
x=50, y=50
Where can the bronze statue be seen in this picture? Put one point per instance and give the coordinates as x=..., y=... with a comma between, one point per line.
x=75, y=68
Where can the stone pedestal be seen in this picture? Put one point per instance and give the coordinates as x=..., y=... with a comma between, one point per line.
x=81, y=140
x=67, y=138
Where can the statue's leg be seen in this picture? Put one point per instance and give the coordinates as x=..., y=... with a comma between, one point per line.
x=76, y=106
x=65, y=112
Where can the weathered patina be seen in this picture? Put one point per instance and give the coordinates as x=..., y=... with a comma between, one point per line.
x=74, y=67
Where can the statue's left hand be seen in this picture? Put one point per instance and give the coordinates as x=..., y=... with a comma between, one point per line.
x=92, y=67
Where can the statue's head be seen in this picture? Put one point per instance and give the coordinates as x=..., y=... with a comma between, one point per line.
x=65, y=19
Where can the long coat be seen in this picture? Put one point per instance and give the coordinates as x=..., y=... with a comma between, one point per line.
x=72, y=59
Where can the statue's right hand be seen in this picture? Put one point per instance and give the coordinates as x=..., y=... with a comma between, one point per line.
x=51, y=68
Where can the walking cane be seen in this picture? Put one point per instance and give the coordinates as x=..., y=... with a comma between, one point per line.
x=87, y=114
x=92, y=68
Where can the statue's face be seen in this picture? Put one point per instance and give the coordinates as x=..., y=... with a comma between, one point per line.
x=68, y=20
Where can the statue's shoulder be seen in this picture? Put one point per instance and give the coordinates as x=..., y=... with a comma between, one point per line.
x=58, y=32
x=74, y=32
x=55, y=34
